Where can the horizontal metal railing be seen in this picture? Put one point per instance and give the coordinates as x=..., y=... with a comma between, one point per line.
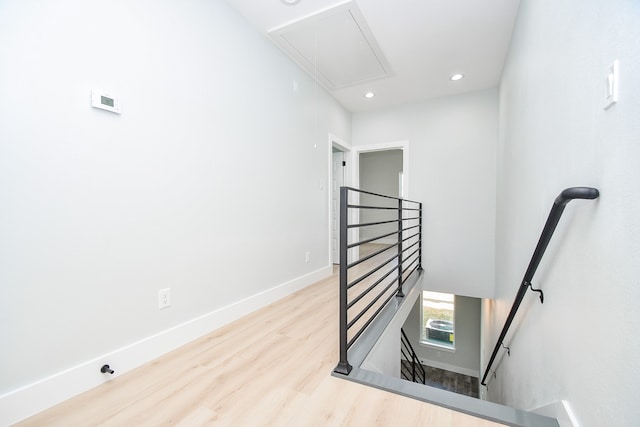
x=557, y=209
x=414, y=371
x=370, y=280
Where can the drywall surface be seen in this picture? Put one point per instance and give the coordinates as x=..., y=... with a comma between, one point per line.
x=379, y=173
x=582, y=344
x=466, y=357
x=212, y=181
x=452, y=171
x=385, y=355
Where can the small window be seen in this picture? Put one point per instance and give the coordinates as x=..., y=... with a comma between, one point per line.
x=438, y=319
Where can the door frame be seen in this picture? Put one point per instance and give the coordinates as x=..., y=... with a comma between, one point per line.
x=355, y=175
x=342, y=145
x=384, y=146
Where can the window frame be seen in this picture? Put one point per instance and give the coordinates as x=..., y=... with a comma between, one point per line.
x=424, y=340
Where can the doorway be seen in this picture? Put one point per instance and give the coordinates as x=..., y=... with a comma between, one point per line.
x=340, y=175
x=383, y=169
x=338, y=165
x=402, y=186
x=380, y=173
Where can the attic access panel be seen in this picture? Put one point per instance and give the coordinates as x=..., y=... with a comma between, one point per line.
x=335, y=46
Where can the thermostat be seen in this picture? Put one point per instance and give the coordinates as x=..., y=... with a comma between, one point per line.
x=105, y=101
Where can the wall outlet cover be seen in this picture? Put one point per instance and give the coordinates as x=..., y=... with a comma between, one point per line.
x=611, y=85
x=164, y=298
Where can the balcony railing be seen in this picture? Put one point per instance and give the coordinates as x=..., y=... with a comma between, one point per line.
x=376, y=270
x=380, y=248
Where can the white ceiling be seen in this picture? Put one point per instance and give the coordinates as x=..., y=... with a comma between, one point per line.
x=335, y=46
x=424, y=42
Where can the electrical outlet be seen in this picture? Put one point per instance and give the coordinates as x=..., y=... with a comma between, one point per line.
x=164, y=298
x=307, y=256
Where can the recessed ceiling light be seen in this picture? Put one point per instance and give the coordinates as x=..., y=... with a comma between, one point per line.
x=369, y=95
x=456, y=77
x=290, y=2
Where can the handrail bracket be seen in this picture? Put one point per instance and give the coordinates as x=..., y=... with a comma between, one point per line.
x=536, y=290
x=506, y=348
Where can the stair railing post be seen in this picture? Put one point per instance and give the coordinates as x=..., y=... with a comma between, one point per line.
x=420, y=237
x=400, y=294
x=413, y=365
x=343, y=365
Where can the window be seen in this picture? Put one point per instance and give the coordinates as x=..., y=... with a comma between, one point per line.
x=438, y=319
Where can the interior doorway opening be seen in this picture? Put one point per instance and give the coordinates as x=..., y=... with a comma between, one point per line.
x=383, y=169
x=339, y=175
x=380, y=172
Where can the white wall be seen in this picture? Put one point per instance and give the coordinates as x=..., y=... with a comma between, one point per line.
x=466, y=357
x=582, y=344
x=385, y=356
x=208, y=182
x=452, y=171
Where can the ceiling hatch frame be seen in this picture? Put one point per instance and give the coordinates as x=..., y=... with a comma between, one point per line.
x=335, y=47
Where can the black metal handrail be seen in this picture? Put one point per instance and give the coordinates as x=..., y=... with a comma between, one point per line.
x=418, y=374
x=557, y=209
x=375, y=282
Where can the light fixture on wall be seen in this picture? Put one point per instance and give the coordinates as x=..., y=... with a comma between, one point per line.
x=456, y=77
x=369, y=95
x=290, y=2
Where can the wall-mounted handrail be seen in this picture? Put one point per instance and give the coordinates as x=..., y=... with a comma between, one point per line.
x=377, y=277
x=557, y=209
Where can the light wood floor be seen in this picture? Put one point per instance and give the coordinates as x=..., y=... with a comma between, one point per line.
x=271, y=368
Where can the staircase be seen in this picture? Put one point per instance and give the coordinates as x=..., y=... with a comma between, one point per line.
x=410, y=367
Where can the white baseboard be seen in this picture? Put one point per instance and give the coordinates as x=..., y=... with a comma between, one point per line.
x=452, y=368
x=26, y=401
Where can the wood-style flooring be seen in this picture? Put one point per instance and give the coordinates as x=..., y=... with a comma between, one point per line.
x=270, y=368
x=444, y=380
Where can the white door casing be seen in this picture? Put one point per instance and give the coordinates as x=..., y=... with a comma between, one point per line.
x=341, y=177
x=338, y=181
x=354, y=178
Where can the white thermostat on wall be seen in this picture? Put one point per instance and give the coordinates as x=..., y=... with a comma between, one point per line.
x=105, y=101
